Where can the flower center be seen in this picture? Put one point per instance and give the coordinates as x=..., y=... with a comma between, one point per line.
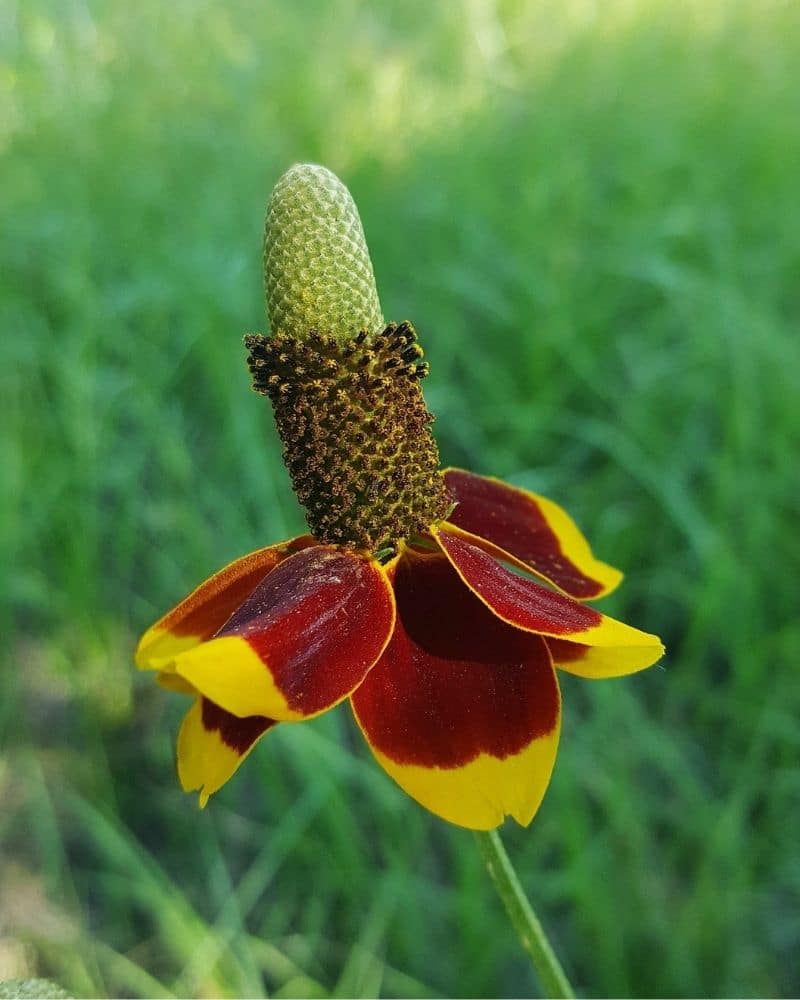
x=355, y=431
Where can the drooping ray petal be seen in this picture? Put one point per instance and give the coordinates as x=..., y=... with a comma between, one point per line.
x=301, y=642
x=597, y=662
x=526, y=604
x=212, y=744
x=461, y=710
x=210, y=605
x=172, y=682
x=531, y=531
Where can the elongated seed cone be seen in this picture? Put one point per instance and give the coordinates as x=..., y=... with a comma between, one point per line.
x=317, y=270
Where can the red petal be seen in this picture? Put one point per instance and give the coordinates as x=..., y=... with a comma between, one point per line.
x=301, y=642
x=599, y=662
x=529, y=530
x=461, y=710
x=237, y=734
x=212, y=744
x=527, y=605
x=209, y=606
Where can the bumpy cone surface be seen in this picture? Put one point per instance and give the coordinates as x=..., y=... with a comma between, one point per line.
x=317, y=270
x=344, y=386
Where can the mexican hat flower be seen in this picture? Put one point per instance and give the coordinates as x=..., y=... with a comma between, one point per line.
x=439, y=603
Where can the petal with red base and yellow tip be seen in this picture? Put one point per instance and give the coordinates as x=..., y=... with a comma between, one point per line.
x=596, y=662
x=210, y=605
x=302, y=641
x=212, y=744
x=461, y=710
x=530, y=531
x=172, y=682
x=526, y=604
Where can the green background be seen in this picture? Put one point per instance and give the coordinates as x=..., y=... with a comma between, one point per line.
x=590, y=212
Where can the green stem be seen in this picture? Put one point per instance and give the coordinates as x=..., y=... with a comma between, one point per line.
x=531, y=933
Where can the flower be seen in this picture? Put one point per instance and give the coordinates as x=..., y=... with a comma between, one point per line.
x=439, y=603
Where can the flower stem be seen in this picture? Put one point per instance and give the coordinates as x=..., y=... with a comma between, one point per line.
x=553, y=980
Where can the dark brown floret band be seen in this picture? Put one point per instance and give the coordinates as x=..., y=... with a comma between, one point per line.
x=355, y=431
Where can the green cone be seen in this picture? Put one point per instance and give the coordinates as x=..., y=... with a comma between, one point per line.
x=317, y=270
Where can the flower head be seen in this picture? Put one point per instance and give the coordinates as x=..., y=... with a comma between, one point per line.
x=439, y=603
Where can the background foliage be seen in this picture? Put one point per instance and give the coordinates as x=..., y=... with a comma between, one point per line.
x=590, y=212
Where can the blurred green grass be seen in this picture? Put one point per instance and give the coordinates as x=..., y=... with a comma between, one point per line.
x=590, y=213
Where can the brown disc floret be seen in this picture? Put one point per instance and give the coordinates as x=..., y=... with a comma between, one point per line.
x=355, y=431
